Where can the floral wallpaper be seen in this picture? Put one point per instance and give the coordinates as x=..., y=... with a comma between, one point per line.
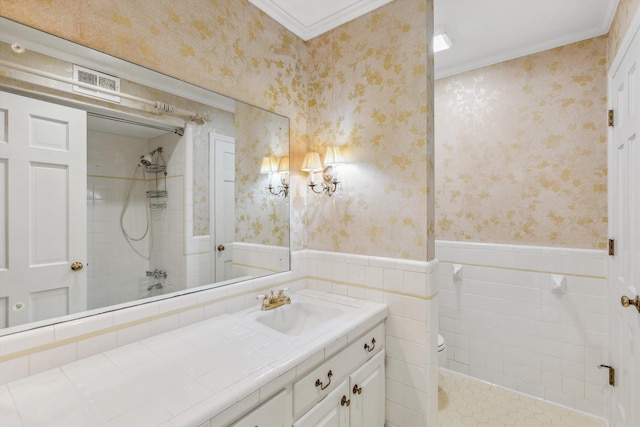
x=370, y=91
x=226, y=46
x=366, y=85
x=619, y=26
x=521, y=150
x=261, y=217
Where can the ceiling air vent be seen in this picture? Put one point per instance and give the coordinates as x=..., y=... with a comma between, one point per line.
x=97, y=79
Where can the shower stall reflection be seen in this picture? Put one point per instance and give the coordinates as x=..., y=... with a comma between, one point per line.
x=132, y=170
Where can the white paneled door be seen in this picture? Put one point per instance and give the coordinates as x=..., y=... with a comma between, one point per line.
x=223, y=163
x=624, y=228
x=43, y=207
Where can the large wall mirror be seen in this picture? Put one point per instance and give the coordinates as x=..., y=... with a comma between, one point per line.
x=120, y=185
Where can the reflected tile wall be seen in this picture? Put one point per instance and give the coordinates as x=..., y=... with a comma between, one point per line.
x=115, y=273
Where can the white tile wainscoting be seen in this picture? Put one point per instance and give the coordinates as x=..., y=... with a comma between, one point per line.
x=503, y=324
x=409, y=288
x=250, y=259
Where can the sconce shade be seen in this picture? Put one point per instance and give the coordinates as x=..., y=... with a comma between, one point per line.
x=283, y=165
x=269, y=165
x=311, y=163
x=333, y=156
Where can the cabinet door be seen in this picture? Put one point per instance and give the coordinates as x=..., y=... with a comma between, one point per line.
x=332, y=411
x=275, y=412
x=367, y=391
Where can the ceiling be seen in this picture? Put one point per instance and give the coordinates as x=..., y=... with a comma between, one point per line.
x=483, y=32
x=310, y=18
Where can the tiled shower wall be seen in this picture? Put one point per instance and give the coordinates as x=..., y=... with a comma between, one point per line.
x=503, y=324
x=114, y=273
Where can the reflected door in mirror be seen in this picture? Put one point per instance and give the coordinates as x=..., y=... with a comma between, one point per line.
x=42, y=171
x=224, y=180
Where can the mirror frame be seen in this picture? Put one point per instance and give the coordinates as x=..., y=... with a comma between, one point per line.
x=54, y=46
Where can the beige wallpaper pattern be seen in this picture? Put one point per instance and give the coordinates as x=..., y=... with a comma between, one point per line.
x=371, y=91
x=521, y=150
x=619, y=26
x=261, y=217
x=227, y=46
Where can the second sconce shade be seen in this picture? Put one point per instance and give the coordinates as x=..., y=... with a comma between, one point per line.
x=312, y=164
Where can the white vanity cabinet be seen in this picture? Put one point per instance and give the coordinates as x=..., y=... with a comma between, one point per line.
x=358, y=401
x=347, y=389
x=275, y=412
x=332, y=411
x=367, y=388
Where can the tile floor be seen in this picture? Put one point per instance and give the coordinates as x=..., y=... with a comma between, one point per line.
x=465, y=402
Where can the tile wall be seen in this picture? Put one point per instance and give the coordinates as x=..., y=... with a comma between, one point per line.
x=408, y=287
x=37, y=350
x=115, y=273
x=256, y=260
x=410, y=290
x=503, y=324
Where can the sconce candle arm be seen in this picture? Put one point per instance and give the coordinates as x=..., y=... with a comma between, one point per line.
x=326, y=187
x=281, y=190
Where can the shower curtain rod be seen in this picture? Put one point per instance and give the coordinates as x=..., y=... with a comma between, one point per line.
x=157, y=105
x=177, y=131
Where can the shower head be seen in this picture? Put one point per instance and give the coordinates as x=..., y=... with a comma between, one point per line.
x=146, y=160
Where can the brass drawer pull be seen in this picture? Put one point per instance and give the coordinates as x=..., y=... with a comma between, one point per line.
x=373, y=345
x=345, y=401
x=357, y=390
x=319, y=383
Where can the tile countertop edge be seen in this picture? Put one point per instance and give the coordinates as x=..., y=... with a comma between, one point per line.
x=368, y=315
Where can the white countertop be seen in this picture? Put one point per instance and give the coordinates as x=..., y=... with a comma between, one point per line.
x=182, y=377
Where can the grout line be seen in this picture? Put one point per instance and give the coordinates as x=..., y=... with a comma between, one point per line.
x=388, y=291
x=126, y=325
x=526, y=270
x=115, y=328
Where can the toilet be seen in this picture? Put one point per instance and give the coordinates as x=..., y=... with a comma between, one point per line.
x=443, y=362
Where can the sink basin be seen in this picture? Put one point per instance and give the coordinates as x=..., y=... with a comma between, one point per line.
x=301, y=316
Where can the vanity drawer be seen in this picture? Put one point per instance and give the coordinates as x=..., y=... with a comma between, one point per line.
x=323, y=379
x=272, y=413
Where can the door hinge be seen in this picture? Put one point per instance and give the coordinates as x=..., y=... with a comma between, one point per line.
x=610, y=118
x=612, y=247
x=612, y=374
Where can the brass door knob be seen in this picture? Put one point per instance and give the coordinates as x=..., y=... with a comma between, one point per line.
x=626, y=302
x=220, y=248
x=77, y=266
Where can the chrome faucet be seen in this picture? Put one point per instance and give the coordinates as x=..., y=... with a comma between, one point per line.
x=272, y=301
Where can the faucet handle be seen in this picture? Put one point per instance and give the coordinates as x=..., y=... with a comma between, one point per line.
x=282, y=291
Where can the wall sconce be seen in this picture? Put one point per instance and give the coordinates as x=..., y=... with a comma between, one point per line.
x=271, y=165
x=332, y=158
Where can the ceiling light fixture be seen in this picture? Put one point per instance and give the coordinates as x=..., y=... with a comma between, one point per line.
x=441, y=42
